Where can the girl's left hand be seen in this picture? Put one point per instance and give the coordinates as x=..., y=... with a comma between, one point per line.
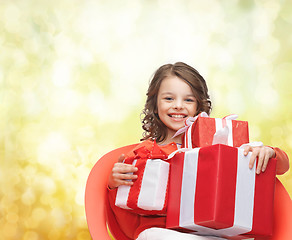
x=263, y=154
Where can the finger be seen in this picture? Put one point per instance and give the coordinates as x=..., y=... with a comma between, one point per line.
x=121, y=158
x=251, y=161
x=117, y=179
x=124, y=168
x=261, y=158
x=271, y=152
x=120, y=176
x=247, y=149
x=253, y=157
x=266, y=161
x=124, y=182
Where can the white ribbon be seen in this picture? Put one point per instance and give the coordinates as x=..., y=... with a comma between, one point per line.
x=189, y=122
x=223, y=135
x=252, y=144
x=153, y=187
x=244, y=199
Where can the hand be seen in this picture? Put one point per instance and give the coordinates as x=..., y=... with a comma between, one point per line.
x=121, y=174
x=263, y=154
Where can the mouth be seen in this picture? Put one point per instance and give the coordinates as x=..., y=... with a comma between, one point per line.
x=177, y=116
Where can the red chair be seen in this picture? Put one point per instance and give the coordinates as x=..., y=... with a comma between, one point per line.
x=282, y=213
x=99, y=215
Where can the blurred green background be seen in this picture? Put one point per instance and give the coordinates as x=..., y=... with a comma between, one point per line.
x=73, y=78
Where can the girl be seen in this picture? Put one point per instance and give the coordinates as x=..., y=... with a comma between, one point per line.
x=176, y=92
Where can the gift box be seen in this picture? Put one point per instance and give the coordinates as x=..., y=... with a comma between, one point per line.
x=148, y=194
x=212, y=191
x=206, y=131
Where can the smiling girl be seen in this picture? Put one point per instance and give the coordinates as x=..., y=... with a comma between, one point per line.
x=176, y=92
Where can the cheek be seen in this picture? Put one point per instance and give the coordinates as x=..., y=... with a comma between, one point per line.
x=161, y=107
x=160, y=110
x=193, y=109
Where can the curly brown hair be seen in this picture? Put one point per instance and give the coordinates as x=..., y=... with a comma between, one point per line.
x=152, y=125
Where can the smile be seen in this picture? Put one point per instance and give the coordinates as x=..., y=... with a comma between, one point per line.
x=177, y=115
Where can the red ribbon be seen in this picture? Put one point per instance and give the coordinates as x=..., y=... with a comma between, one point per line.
x=143, y=153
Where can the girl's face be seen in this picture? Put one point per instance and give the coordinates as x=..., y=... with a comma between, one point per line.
x=175, y=103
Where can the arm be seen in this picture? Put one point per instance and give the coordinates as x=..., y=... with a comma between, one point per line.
x=282, y=161
x=264, y=153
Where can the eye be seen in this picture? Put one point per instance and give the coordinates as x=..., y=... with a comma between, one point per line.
x=190, y=100
x=168, y=98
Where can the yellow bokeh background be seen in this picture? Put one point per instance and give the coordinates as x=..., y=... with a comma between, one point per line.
x=73, y=78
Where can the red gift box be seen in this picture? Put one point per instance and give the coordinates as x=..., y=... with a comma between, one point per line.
x=213, y=191
x=206, y=131
x=148, y=194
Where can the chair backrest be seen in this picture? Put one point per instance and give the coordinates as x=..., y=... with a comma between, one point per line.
x=282, y=213
x=99, y=214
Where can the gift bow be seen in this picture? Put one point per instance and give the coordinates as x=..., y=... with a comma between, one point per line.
x=144, y=153
x=148, y=194
x=221, y=135
x=188, y=122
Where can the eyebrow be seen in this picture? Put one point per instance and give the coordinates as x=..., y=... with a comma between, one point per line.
x=170, y=93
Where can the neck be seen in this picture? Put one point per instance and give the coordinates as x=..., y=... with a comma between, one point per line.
x=169, y=139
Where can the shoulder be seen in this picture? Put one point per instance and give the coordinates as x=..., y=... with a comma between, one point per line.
x=149, y=144
x=282, y=161
x=121, y=150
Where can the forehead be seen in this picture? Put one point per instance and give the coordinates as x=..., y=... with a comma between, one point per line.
x=174, y=84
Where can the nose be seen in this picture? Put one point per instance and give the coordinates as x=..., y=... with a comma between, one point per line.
x=178, y=104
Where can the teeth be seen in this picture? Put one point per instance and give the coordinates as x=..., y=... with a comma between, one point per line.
x=178, y=116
